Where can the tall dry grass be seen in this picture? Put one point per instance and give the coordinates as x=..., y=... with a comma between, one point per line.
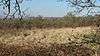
x=45, y=42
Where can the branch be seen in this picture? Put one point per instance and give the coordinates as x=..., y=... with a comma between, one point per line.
x=82, y=4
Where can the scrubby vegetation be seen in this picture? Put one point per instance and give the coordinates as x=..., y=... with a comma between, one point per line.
x=66, y=36
x=52, y=42
x=53, y=50
x=93, y=40
x=40, y=22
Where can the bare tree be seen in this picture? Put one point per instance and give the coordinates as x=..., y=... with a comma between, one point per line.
x=80, y=5
x=12, y=4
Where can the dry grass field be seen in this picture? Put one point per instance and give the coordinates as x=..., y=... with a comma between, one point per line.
x=46, y=42
x=46, y=36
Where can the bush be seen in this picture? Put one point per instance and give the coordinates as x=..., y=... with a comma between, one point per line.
x=53, y=50
x=39, y=22
x=93, y=40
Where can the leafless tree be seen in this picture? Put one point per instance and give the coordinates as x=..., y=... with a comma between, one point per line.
x=9, y=4
x=80, y=5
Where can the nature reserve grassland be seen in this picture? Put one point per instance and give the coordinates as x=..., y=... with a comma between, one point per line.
x=49, y=42
x=64, y=36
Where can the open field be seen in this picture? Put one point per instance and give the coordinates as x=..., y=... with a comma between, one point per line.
x=65, y=36
x=49, y=28
x=47, y=42
x=60, y=35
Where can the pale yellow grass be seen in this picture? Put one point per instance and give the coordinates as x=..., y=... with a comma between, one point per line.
x=44, y=36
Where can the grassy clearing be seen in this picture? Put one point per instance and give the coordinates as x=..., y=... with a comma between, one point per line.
x=60, y=35
x=47, y=42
